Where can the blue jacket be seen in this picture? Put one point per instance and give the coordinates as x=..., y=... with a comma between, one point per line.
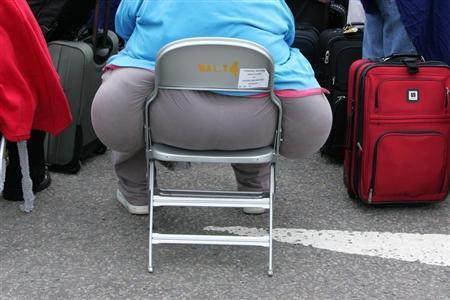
x=427, y=23
x=148, y=25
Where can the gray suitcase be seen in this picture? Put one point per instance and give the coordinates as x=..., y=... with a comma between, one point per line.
x=80, y=77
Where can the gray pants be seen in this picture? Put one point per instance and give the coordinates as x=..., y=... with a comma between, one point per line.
x=221, y=122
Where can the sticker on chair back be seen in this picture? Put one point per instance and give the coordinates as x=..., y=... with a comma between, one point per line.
x=413, y=95
x=253, y=78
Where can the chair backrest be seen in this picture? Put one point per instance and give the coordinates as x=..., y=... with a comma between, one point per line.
x=214, y=64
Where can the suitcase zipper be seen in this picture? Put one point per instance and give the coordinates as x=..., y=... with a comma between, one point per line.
x=447, y=95
x=327, y=57
x=360, y=112
x=334, y=63
x=369, y=199
x=358, y=145
x=350, y=126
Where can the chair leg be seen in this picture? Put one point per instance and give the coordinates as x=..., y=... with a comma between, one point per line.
x=151, y=185
x=2, y=162
x=271, y=197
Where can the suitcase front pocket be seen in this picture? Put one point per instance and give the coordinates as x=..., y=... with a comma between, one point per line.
x=409, y=166
x=399, y=96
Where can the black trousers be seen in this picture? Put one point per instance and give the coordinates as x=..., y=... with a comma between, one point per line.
x=35, y=146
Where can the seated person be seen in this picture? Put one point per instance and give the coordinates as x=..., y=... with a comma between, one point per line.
x=205, y=120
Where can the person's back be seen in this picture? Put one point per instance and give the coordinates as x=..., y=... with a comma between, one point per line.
x=268, y=23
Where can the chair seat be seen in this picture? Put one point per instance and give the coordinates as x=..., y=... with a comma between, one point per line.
x=167, y=153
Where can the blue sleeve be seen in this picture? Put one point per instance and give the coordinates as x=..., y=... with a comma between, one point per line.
x=126, y=16
x=289, y=36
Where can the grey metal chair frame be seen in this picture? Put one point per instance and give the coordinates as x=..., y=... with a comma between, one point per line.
x=200, y=49
x=2, y=153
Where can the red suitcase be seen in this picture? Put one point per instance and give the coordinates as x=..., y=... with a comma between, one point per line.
x=398, y=131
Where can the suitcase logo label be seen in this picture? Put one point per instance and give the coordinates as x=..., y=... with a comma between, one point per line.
x=413, y=95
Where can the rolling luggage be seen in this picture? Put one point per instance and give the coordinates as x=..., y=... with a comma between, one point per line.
x=398, y=131
x=79, y=64
x=339, y=48
x=307, y=41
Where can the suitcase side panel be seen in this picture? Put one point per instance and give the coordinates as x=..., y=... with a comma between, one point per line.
x=356, y=69
x=341, y=54
x=307, y=41
x=71, y=59
x=80, y=78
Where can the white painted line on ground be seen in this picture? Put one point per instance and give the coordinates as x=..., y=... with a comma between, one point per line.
x=432, y=249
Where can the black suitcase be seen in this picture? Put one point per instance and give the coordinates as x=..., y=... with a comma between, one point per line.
x=307, y=41
x=79, y=64
x=339, y=48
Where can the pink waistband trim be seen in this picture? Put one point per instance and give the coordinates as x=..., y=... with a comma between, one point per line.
x=295, y=93
x=110, y=68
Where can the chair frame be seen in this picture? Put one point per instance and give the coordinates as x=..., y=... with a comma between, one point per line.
x=2, y=154
x=166, y=197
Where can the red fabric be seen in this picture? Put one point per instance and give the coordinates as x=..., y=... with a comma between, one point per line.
x=31, y=96
x=399, y=133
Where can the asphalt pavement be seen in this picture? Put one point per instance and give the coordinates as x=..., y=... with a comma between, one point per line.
x=79, y=243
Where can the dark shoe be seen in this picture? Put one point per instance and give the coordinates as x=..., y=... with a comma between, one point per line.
x=16, y=195
x=44, y=183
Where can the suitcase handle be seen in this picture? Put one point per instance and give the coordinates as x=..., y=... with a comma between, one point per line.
x=354, y=24
x=100, y=46
x=409, y=60
x=401, y=56
x=105, y=25
x=411, y=65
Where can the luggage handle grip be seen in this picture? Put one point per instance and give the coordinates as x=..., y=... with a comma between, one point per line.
x=411, y=65
x=403, y=56
x=409, y=60
x=353, y=24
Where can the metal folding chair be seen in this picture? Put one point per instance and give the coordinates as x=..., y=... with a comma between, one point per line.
x=212, y=64
x=2, y=162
